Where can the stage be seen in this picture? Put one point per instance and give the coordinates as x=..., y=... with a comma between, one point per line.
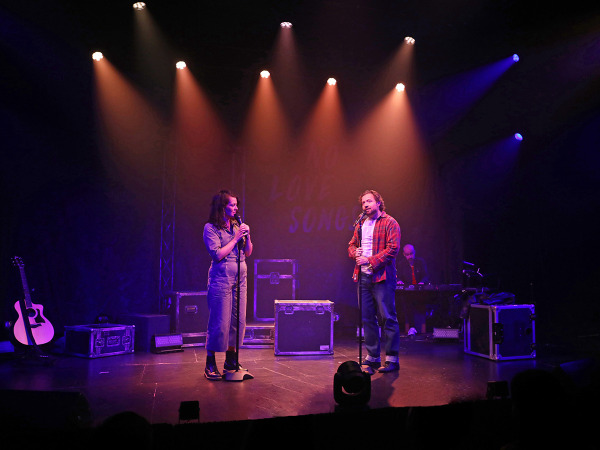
x=436, y=377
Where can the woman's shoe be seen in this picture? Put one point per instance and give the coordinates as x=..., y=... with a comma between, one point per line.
x=211, y=372
x=230, y=363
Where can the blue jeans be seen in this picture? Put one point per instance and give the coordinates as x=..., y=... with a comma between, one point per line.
x=379, y=304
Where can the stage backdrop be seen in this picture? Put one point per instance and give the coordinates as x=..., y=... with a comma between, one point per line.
x=300, y=197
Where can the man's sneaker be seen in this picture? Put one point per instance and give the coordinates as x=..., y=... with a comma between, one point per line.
x=370, y=367
x=389, y=366
x=372, y=364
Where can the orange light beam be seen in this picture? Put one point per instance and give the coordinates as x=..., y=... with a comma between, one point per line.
x=131, y=127
x=266, y=130
x=389, y=142
x=196, y=124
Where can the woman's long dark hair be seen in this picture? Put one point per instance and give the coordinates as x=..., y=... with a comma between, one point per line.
x=217, y=207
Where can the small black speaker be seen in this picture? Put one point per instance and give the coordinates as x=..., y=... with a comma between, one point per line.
x=166, y=343
x=146, y=326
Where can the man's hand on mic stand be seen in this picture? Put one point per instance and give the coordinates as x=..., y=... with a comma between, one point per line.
x=361, y=260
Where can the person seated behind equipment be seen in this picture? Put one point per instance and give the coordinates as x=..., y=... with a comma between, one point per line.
x=412, y=270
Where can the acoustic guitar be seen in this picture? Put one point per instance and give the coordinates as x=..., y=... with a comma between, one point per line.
x=32, y=327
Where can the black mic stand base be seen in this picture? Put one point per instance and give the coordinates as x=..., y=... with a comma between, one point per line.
x=237, y=375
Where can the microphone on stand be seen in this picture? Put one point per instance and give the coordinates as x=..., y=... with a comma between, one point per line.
x=357, y=221
x=238, y=219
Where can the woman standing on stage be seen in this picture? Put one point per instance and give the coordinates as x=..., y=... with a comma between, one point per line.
x=225, y=236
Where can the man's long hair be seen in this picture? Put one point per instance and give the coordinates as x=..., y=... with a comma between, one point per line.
x=378, y=198
x=217, y=207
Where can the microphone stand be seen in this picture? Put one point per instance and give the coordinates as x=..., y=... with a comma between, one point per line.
x=238, y=374
x=360, y=324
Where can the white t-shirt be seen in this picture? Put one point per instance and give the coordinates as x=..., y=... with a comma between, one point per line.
x=367, y=243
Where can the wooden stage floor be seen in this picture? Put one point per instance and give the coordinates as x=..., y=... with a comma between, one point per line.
x=432, y=373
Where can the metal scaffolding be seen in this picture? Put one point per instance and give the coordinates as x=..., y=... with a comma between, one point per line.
x=167, y=228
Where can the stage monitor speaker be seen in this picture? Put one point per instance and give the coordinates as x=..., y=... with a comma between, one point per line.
x=580, y=375
x=167, y=343
x=146, y=326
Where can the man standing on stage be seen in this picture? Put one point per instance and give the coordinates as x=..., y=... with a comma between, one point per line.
x=374, y=246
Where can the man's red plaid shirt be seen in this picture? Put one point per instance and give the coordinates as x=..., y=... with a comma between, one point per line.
x=386, y=245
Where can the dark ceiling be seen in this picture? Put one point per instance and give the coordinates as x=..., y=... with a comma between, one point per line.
x=226, y=43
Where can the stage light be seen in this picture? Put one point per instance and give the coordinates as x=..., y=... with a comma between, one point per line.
x=181, y=65
x=138, y=6
x=409, y=40
x=166, y=343
x=497, y=390
x=400, y=87
x=515, y=57
x=518, y=137
x=265, y=74
x=286, y=24
x=97, y=56
x=331, y=82
x=351, y=386
x=189, y=410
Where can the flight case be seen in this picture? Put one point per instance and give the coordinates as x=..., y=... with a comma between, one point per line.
x=500, y=332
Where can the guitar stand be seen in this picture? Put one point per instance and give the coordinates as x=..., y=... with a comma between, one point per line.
x=33, y=356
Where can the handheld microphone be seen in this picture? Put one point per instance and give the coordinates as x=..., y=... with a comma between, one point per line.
x=357, y=221
x=242, y=242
